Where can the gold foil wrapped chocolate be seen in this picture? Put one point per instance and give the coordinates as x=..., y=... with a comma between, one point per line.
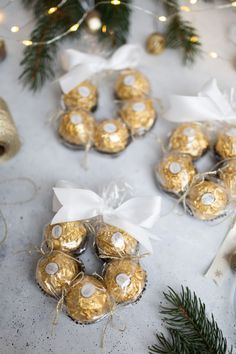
x=156, y=43
x=83, y=96
x=131, y=84
x=139, y=114
x=227, y=173
x=225, y=146
x=175, y=172
x=77, y=128
x=189, y=138
x=111, y=136
x=67, y=236
x=207, y=200
x=112, y=242
x=87, y=300
x=125, y=280
x=55, y=272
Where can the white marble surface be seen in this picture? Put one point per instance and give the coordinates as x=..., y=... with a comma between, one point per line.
x=187, y=246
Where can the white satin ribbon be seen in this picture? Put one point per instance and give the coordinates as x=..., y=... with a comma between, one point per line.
x=135, y=216
x=209, y=104
x=81, y=66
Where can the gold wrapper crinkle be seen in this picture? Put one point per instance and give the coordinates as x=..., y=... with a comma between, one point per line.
x=189, y=138
x=66, y=236
x=83, y=96
x=207, y=200
x=225, y=146
x=175, y=172
x=125, y=280
x=77, y=128
x=111, y=136
x=88, y=301
x=114, y=242
x=131, y=84
x=139, y=115
x=227, y=173
x=56, y=271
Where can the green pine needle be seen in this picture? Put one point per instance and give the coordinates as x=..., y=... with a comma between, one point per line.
x=190, y=330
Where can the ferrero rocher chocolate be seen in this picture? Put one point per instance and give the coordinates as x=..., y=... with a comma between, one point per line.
x=225, y=146
x=175, y=172
x=125, y=280
x=207, y=200
x=131, y=84
x=87, y=300
x=113, y=242
x=156, y=43
x=66, y=236
x=139, y=115
x=227, y=173
x=111, y=136
x=83, y=96
x=56, y=271
x=189, y=138
x=77, y=128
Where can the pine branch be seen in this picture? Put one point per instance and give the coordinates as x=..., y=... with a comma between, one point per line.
x=190, y=331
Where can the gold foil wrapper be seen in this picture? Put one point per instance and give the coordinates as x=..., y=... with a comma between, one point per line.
x=139, y=115
x=88, y=301
x=156, y=43
x=227, y=173
x=55, y=272
x=83, y=96
x=207, y=200
x=131, y=84
x=226, y=142
x=189, y=138
x=66, y=236
x=111, y=136
x=175, y=172
x=77, y=128
x=113, y=242
x=125, y=280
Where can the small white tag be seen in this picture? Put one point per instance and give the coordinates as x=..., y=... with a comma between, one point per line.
x=189, y=132
x=51, y=268
x=76, y=119
x=123, y=280
x=139, y=107
x=129, y=80
x=109, y=128
x=56, y=231
x=117, y=240
x=231, y=132
x=207, y=199
x=175, y=168
x=84, y=91
x=87, y=290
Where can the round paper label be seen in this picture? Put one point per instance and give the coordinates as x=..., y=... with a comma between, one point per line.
x=87, y=290
x=84, y=91
x=123, y=280
x=109, y=128
x=51, y=268
x=76, y=119
x=117, y=240
x=56, y=231
x=231, y=132
x=175, y=168
x=208, y=199
x=189, y=132
x=129, y=80
x=139, y=107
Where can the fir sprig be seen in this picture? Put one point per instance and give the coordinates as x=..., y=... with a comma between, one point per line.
x=190, y=330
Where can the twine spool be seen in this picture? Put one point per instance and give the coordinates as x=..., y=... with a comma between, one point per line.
x=9, y=139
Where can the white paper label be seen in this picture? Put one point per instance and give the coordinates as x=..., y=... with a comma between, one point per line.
x=84, y=91
x=51, y=268
x=129, y=80
x=231, y=132
x=123, y=280
x=87, y=290
x=175, y=168
x=109, y=128
x=117, y=240
x=189, y=132
x=56, y=231
x=138, y=107
x=76, y=119
x=207, y=199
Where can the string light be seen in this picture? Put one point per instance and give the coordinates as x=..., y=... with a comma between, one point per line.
x=162, y=18
x=234, y=4
x=104, y=29
x=27, y=42
x=213, y=55
x=193, y=2
x=115, y=2
x=52, y=10
x=185, y=8
x=74, y=28
x=194, y=39
x=15, y=29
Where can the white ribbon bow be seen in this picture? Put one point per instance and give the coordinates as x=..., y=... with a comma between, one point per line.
x=81, y=66
x=133, y=216
x=209, y=104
